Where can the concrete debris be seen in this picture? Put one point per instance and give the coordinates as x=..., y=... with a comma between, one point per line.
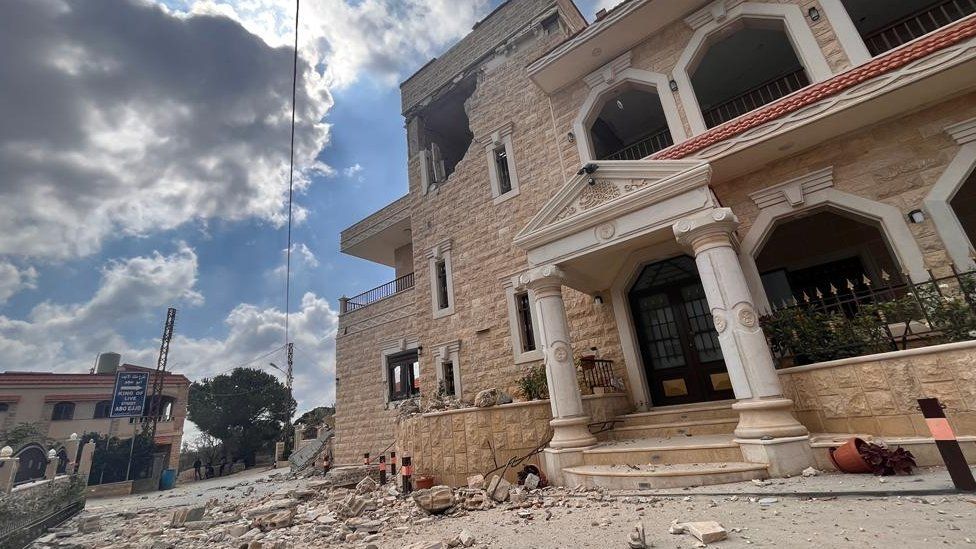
x=637, y=539
x=187, y=514
x=471, y=499
x=270, y=506
x=274, y=520
x=531, y=481
x=426, y=545
x=810, y=472
x=486, y=398
x=466, y=539
x=760, y=482
x=352, y=506
x=366, y=486
x=434, y=500
x=498, y=488
x=767, y=501
x=705, y=531
x=476, y=481
x=89, y=525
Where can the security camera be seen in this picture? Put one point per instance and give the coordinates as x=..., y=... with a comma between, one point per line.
x=587, y=169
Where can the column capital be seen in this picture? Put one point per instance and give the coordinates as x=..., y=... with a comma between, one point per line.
x=706, y=230
x=546, y=277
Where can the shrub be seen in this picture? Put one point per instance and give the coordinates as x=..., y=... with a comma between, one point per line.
x=533, y=385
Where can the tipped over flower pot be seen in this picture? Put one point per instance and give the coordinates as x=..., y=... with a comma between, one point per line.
x=847, y=457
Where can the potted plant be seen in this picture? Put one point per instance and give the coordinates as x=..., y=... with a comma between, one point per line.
x=858, y=456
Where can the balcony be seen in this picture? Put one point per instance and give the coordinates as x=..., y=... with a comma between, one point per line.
x=401, y=284
x=382, y=237
x=919, y=23
x=644, y=147
x=752, y=99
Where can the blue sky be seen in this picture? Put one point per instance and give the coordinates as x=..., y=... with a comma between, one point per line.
x=144, y=162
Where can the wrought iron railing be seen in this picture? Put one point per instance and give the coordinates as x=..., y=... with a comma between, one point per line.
x=920, y=23
x=597, y=373
x=861, y=317
x=401, y=284
x=646, y=146
x=752, y=99
x=31, y=510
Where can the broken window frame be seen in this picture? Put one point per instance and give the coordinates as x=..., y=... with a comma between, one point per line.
x=403, y=375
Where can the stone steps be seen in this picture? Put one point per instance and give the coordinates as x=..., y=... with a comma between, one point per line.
x=620, y=477
x=663, y=450
x=699, y=427
x=680, y=413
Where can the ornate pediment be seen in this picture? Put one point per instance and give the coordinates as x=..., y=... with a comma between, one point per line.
x=614, y=188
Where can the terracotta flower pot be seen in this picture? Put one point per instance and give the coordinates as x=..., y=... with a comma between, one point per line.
x=423, y=482
x=847, y=457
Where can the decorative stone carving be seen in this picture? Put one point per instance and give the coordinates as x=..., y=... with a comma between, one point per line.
x=597, y=193
x=605, y=231
x=559, y=352
x=747, y=317
x=719, y=320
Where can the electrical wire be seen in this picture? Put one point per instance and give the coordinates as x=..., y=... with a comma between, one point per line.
x=291, y=174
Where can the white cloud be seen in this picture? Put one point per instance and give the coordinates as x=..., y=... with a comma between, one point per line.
x=66, y=337
x=355, y=170
x=306, y=254
x=348, y=37
x=13, y=279
x=109, y=133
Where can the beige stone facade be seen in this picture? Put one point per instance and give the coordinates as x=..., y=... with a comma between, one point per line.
x=872, y=144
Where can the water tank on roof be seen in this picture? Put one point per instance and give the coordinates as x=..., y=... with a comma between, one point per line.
x=108, y=363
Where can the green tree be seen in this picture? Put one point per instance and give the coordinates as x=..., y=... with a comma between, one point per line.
x=245, y=409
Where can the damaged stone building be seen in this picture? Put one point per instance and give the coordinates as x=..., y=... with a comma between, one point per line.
x=732, y=233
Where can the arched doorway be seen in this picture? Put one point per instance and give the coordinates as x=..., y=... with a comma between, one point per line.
x=33, y=462
x=823, y=249
x=676, y=336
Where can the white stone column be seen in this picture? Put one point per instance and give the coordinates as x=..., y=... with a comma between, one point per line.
x=85, y=461
x=52, y=464
x=8, y=469
x=569, y=423
x=765, y=417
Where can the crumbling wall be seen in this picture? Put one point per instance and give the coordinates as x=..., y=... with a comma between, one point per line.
x=455, y=444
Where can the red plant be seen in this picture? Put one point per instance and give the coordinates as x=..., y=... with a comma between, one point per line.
x=885, y=462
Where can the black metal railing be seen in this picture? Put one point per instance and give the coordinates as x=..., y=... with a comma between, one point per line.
x=752, y=99
x=862, y=317
x=596, y=372
x=403, y=283
x=920, y=23
x=644, y=147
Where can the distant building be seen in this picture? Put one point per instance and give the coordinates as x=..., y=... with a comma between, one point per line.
x=62, y=404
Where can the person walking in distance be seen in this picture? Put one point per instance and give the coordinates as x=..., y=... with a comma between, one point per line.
x=196, y=469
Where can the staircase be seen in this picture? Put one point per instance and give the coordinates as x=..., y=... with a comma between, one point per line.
x=668, y=447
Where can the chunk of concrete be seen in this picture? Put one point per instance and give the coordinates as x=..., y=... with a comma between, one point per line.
x=707, y=531
x=434, y=500
x=366, y=486
x=476, y=481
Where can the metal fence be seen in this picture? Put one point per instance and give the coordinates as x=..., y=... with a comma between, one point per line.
x=922, y=22
x=30, y=510
x=644, y=147
x=752, y=99
x=865, y=316
x=597, y=373
x=405, y=282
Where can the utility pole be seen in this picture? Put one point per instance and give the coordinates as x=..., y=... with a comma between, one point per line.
x=290, y=375
x=157, y=389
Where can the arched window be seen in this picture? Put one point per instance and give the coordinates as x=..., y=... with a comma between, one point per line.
x=63, y=411
x=767, y=68
x=630, y=125
x=103, y=409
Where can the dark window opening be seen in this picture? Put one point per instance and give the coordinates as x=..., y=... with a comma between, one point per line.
x=838, y=251
x=4, y=406
x=767, y=68
x=440, y=271
x=630, y=126
x=501, y=167
x=403, y=373
x=63, y=411
x=889, y=24
x=523, y=312
x=963, y=204
x=103, y=409
x=444, y=130
x=449, y=389
x=164, y=410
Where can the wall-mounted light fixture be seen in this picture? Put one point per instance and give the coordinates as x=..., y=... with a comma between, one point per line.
x=673, y=85
x=916, y=216
x=420, y=350
x=814, y=14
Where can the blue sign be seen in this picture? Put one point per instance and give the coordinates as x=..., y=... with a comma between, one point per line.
x=129, y=396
